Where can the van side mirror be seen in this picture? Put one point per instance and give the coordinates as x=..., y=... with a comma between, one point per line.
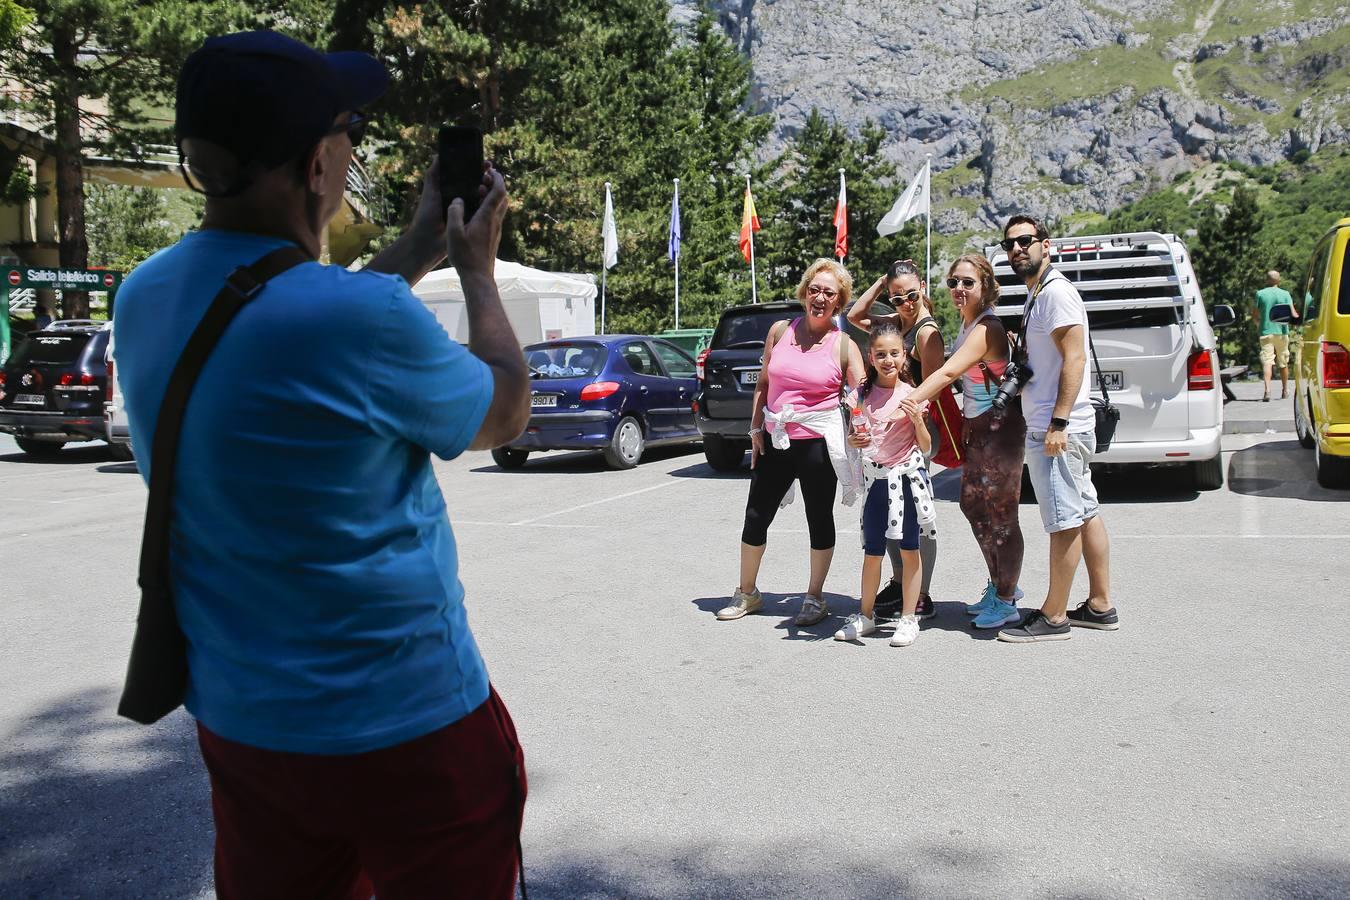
x=1223, y=316
x=1282, y=312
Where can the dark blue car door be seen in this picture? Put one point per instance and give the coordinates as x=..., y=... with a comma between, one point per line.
x=681, y=371
x=652, y=391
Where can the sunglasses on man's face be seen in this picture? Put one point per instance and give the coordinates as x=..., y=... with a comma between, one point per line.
x=1022, y=240
x=355, y=128
x=967, y=283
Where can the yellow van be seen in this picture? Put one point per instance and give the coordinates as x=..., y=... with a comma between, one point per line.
x=1322, y=371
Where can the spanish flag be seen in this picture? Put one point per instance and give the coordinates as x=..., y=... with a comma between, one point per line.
x=749, y=225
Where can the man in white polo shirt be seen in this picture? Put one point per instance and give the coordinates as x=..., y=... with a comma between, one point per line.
x=1060, y=440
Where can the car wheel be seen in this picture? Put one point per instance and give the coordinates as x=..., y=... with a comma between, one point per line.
x=1332, y=471
x=1208, y=474
x=509, y=457
x=723, y=455
x=625, y=448
x=120, y=452
x=43, y=449
x=1303, y=423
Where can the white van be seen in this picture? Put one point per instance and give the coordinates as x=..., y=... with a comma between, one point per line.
x=1154, y=341
x=114, y=412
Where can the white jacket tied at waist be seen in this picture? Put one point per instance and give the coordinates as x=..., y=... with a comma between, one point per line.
x=829, y=424
x=909, y=469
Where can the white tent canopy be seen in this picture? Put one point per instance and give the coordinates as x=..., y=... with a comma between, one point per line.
x=541, y=305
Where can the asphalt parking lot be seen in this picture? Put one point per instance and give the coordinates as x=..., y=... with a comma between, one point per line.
x=1196, y=753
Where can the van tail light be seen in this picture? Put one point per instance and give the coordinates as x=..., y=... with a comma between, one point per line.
x=698, y=364
x=67, y=379
x=108, y=388
x=1335, y=365
x=1200, y=371
x=87, y=379
x=2, y=379
x=599, y=391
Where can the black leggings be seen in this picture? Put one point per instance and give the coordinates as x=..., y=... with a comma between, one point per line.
x=808, y=461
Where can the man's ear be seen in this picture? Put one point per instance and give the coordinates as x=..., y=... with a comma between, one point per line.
x=314, y=167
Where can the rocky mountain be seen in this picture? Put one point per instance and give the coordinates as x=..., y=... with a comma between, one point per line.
x=1051, y=105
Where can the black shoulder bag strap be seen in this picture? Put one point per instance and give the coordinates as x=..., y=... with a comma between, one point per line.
x=1101, y=379
x=157, y=673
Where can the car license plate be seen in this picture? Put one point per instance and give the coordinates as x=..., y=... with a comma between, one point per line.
x=751, y=377
x=544, y=400
x=1115, y=381
x=30, y=399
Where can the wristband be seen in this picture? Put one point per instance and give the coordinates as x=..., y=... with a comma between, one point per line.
x=755, y=431
x=1059, y=424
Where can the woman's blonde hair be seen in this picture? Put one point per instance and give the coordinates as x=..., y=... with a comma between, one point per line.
x=840, y=275
x=988, y=283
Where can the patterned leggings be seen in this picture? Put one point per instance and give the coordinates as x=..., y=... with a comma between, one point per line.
x=991, y=489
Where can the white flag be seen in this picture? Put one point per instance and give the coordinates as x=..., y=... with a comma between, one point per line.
x=913, y=202
x=611, y=236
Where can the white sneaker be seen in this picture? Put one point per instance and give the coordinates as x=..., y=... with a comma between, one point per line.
x=813, y=612
x=855, y=627
x=906, y=630
x=742, y=604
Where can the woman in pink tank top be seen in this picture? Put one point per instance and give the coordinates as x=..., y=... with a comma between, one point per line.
x=797, y=434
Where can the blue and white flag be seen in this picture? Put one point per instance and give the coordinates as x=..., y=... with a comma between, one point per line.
x=673, y=247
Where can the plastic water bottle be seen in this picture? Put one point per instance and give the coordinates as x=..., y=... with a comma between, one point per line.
x=860, y=422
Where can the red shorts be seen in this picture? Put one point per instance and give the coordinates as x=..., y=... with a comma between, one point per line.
x=438, y=816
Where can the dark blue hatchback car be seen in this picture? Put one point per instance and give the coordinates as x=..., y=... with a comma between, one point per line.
x=617, y=393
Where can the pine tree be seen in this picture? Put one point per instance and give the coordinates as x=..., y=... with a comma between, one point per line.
x=1230, y=266
x=95, y=70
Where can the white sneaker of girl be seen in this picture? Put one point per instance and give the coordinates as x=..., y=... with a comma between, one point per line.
x=906, y=630
x=856, y=626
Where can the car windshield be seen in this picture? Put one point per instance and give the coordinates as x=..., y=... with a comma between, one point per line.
x=45, y=348
x=748, y=328
x=565, y=359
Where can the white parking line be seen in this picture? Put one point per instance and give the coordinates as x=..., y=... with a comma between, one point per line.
x=458, y=522
x=1216, y=537
x=562, y=512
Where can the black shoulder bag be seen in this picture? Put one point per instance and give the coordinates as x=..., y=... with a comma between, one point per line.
x=1107, y=414
x=157, y=674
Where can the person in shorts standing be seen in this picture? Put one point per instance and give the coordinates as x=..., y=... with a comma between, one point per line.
x=1274, y=336
x=1060, y=440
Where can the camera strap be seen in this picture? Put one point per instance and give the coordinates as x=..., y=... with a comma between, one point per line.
x=1026, y=310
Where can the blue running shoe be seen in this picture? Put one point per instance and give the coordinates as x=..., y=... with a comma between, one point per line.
x=989, y=596
x=997, y=615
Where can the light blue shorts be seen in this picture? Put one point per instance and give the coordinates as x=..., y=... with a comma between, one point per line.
x=1063, y=483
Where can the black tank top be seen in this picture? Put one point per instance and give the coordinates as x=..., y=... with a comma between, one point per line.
x=911, y=338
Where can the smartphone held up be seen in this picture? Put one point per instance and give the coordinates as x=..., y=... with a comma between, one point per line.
x=459, y=150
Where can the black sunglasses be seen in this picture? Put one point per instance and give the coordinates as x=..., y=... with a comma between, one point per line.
x=355, y=128
x=966, y=283
x=1022, y=240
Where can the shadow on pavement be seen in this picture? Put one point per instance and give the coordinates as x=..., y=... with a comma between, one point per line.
x=583, y=462
x=93, y=806
x=119, y=468
x=1279, y=469
x=69, y=455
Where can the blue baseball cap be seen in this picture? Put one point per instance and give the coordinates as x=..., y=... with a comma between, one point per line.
x=268, y=98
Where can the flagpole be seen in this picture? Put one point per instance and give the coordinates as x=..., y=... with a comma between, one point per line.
x=603, y=273
x=928, y=220
x=754, y=289
x=677, y=263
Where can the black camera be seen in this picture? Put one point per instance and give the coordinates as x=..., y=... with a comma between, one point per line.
x=1015, y=377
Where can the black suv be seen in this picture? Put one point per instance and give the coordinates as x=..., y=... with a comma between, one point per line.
x=727, y=372
x=52, y=388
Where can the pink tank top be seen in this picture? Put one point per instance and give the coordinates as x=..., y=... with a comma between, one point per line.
x=809, y=380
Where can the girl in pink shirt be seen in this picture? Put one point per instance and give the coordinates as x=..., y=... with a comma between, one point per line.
x=897, y=495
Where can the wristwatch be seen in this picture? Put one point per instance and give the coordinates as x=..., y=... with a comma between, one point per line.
x=1057, y=424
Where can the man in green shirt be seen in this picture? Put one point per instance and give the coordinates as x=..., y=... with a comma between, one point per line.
x=1274, y=336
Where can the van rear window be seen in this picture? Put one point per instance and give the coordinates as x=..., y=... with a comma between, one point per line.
x=1343, y=298
x=51, y=350
x=1104, y=319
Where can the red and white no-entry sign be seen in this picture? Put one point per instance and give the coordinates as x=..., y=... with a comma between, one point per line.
x=15, y=277
x=108, y=280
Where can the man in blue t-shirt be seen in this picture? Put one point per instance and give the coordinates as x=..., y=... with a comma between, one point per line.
x=345, y=716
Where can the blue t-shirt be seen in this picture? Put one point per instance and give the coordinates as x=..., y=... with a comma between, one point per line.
x=313, y=565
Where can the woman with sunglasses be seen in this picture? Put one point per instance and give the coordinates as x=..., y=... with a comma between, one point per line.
x=991, y=477
x=797, y=434
x=907, y=293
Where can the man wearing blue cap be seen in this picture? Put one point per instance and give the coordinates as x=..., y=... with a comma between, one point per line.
x=353, y=741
